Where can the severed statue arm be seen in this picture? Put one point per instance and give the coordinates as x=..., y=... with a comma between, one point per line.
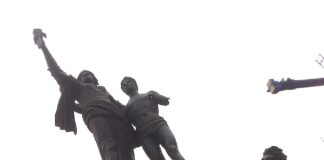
x=160, y=99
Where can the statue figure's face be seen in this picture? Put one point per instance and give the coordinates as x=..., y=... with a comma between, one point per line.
x=128, y=85
x=87, y=77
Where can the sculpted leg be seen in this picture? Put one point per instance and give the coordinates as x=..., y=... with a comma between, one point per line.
x=104, y=137
x=169, y=143
x=152, y=149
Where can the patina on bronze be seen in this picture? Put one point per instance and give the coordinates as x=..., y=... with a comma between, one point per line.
x=142, y=110
x=290, y=84
x=273, y=153
x=102, y=114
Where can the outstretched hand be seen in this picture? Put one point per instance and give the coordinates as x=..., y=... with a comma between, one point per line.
x=38, y=38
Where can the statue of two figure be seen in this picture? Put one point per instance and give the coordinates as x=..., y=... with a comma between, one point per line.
x=108, y=120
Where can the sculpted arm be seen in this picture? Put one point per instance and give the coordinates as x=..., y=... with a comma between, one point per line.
x=120, y=105
x=55, y=70
x=113, y=100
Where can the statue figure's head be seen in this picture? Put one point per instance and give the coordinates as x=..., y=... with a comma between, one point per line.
x=87, y=77
x=129, y=85
x=273, y=153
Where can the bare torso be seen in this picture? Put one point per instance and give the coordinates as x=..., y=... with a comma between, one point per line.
x=141, y=106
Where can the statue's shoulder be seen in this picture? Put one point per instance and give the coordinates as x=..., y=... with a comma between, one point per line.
x=103, y=88
x=150, y=92
x=137, y=98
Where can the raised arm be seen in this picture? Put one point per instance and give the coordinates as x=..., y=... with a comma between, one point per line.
x=55, y=70
x=160, y=99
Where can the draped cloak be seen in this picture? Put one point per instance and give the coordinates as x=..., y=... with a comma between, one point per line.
x=113, y=133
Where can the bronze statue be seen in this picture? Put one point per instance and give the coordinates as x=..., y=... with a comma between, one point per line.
x=102, y=114
x=290, y=84
x=273, y=153
x=152, y=130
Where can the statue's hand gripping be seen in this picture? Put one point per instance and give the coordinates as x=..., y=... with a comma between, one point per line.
x=38, y=38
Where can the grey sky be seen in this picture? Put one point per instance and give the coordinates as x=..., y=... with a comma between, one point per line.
x=213, y=58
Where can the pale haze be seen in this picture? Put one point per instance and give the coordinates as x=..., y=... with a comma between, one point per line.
x=212, y=58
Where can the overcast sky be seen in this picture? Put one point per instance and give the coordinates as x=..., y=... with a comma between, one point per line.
x=212, y=58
